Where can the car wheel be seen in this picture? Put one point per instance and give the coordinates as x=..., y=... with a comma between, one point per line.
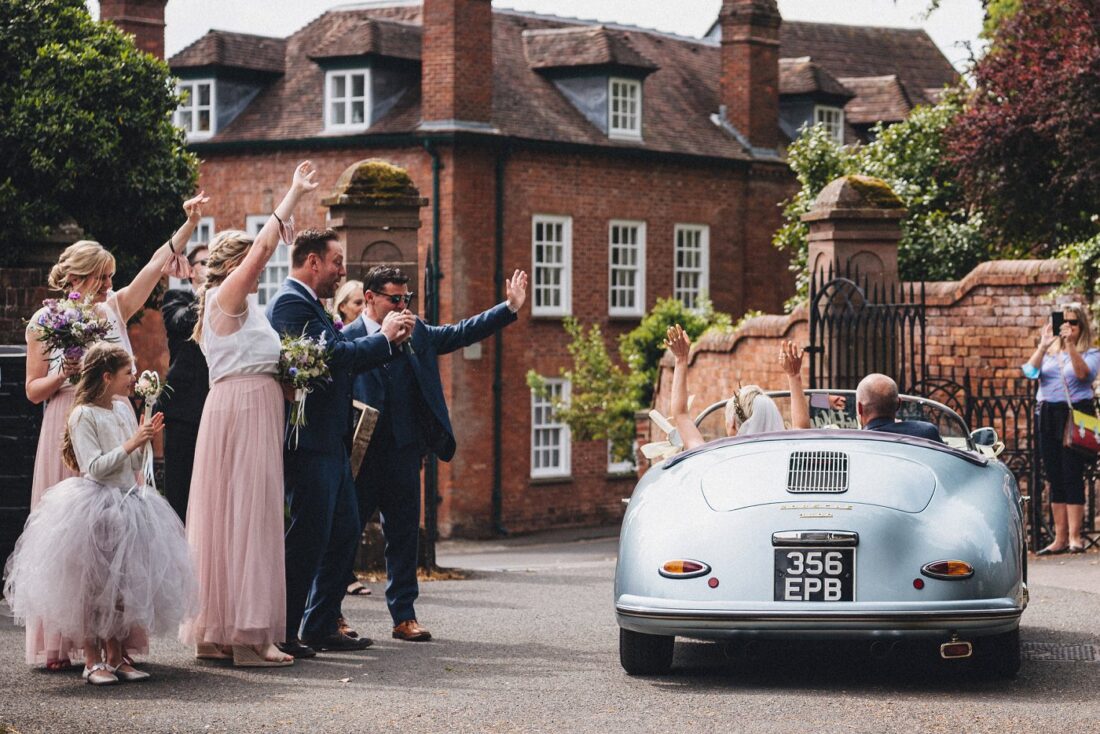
x=999, y=655
x=645, y=654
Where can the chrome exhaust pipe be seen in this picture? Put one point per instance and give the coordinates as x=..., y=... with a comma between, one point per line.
x=956, y=650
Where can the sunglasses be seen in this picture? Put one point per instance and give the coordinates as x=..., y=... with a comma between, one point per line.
x=396, y=300
x=1071, y=322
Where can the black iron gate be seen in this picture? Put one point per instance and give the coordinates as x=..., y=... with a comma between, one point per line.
x=859, y=326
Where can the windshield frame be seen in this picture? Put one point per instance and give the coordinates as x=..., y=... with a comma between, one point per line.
x=851, y=395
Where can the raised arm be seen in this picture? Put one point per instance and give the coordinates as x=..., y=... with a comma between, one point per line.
x=133, y=296
x=790, y=359
x=238, y=284
x=1081, y=369
x=1035, y=362
x=679, y=344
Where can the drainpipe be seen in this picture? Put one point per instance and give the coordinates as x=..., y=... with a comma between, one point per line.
x=498, y=354
x=431, y=464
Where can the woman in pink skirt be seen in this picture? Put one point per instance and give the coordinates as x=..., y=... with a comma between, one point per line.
x=235, y=511
x=87, y=268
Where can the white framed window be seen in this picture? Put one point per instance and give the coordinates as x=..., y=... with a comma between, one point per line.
x=833, y=120
x=552, y=265
x=277, y=268
x=691, y=263
x=630, y=466
x=624, y=108
x=626, y=268
x=201, y=235
x=347, y=100
x=550, y=441
x=195, y=115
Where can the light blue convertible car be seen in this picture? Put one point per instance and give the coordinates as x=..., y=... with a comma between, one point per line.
x=827, y=533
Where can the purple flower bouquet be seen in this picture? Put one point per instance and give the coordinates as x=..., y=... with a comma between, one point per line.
x=68, y=326
x=303, y=365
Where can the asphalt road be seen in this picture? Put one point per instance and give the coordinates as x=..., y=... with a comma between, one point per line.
x=529, y=643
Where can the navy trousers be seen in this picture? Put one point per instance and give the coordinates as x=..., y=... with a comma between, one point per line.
x=389, y=482
x=320, y=541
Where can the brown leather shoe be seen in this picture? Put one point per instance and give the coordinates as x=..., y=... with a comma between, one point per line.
x=343, y=628
x=411, y=631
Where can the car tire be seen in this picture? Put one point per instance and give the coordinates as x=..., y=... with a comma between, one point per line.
x=999, y=655
x=642, y=654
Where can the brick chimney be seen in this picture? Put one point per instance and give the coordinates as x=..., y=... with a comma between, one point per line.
x=750, y=69
x=143, y=19
x=457, y=62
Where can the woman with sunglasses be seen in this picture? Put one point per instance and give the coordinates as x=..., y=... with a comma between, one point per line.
x=189, y=378
x=1065, y=365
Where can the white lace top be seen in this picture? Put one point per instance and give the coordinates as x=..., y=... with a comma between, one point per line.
x=238, y=344
x=97, y=435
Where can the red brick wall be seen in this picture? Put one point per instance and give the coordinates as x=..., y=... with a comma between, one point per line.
x=22, y=291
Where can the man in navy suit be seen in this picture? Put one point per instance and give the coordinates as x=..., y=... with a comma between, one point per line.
x=324, y=525
x=413, y=421
x=877, y=408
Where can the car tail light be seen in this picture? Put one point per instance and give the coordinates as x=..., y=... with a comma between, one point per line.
x=950, y=570
x=684, y=569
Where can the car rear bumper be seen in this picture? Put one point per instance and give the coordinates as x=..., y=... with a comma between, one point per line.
x=975, y=618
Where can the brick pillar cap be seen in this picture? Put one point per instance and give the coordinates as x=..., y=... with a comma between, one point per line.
x=374, y=182
x=856, y=197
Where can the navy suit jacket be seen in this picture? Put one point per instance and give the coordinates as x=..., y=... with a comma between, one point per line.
x=920, y=429
x=416, y=370
x=328, y=408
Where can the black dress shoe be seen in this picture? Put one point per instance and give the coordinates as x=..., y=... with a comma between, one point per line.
x=1050, y=551
x=339, y=643
x=296, y=649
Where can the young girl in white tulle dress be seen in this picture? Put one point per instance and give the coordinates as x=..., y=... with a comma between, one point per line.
x=103, y=558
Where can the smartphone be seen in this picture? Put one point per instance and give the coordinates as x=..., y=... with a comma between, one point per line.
x=1056, y=319
x=820, y=401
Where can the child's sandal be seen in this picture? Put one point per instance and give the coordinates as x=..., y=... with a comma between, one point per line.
x=59, y=665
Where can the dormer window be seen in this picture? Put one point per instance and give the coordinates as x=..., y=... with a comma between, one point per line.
x=347, y=100
x=624, y=100
x=833, y=120
x=195, y=115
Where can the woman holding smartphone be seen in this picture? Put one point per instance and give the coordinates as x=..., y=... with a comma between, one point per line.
x=1065, y=363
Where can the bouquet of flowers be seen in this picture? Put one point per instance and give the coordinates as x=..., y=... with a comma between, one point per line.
x=68, y=326
x=149, y=387
x=303, y=365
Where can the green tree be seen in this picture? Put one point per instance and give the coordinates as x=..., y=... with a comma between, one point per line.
x=941, y=237
x=604, y=397
x=86, y=132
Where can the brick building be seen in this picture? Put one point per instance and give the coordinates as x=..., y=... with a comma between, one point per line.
x=615, y=164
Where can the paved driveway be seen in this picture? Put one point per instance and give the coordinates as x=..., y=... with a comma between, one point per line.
x=529, y=643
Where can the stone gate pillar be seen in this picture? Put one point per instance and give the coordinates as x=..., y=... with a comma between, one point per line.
x=855, y=225
x=376, y=210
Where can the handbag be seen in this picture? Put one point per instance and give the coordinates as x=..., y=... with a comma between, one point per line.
x=1082, y=431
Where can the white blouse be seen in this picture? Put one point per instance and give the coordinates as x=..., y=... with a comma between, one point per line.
x=97, y=435
x=238, y=344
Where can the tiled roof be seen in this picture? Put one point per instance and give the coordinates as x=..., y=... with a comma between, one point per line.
x=679, y=96
x=878, y=98
x=234, y=51
x=862, y=51
x=584, y=46
x=803, y=76
x=354, y=35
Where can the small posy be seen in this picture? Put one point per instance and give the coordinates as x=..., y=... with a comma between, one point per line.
x=303, y=365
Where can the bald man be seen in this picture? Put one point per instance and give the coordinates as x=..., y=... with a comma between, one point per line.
x=877, y=408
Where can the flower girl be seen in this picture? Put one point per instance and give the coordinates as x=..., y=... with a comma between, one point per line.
x=103, y=558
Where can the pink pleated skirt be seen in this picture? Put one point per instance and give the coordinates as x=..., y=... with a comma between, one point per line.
x=42, y=643
x=235, y=515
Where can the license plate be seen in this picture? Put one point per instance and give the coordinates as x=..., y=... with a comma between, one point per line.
x=815, y=574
